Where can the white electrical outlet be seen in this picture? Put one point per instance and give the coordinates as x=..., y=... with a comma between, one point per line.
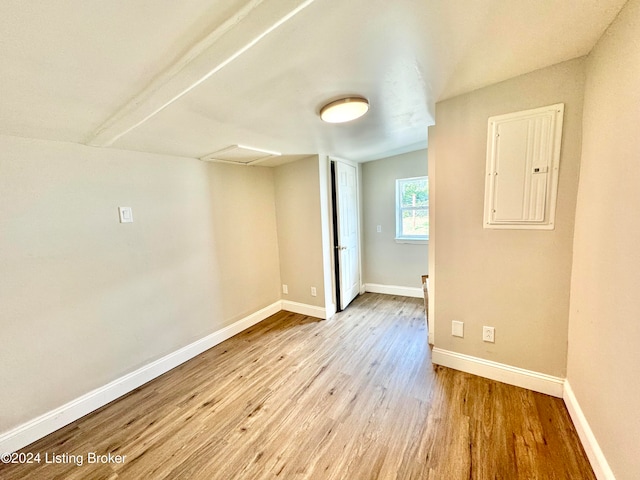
x=379, y=228
x=285, y=288
x=457, y=328
x=313, y=291
x=489, y=334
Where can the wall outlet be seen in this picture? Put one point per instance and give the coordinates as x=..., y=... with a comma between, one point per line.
x=379, y=228
x=313, y=291
x=489, y=334
x=285, y=288
x=457, y=328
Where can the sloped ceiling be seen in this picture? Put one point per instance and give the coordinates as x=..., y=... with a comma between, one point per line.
x=192, y=77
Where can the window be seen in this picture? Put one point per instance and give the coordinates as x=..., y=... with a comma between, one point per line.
x=412, y=209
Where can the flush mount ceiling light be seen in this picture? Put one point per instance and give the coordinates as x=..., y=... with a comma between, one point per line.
x=344, y=110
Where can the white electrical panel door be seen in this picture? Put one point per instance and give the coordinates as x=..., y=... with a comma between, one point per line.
x=523, y=155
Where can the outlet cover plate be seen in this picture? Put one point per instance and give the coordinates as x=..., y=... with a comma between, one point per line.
x=488, y=334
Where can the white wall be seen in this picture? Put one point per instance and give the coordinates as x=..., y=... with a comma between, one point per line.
x=85, y=299
x=385, y=261
x=515, y=280
x=604, y=327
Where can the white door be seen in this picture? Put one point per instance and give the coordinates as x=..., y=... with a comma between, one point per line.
x=347, y=249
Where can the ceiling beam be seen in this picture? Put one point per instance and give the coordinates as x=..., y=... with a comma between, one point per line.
x=252, y=23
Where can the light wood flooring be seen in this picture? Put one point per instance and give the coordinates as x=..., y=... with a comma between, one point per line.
x=354, y=397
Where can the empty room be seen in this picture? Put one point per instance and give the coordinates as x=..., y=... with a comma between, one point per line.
x=313, y=239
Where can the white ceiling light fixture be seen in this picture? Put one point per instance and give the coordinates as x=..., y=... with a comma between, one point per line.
x=344, y=110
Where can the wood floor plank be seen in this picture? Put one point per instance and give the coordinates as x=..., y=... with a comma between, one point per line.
x=354, y=397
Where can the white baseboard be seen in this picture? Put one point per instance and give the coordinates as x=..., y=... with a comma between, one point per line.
x=43, y=425
x=415, y=292
x=538, y=382
x=304, y=309
x=590, y=444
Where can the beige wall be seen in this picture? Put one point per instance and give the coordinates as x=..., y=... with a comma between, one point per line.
x=433, y=199
x=85, y=299
x=515, y=280
x=298, y=206
x=604, y=328
x=245, y=241
x=385, y=261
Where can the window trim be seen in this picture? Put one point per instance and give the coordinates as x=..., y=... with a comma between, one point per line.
x=400, y=238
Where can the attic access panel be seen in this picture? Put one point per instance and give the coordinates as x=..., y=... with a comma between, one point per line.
x=523, y=157
x=240, y=155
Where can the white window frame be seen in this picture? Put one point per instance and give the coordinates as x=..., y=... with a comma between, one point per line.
x=400, y=237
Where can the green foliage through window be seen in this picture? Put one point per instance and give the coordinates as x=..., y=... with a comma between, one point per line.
x=412, y=208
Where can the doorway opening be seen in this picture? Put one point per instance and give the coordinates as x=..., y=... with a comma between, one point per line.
x=336, y=244
x=346, y=241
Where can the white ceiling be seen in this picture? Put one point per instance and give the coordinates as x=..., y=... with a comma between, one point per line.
x=196, y=76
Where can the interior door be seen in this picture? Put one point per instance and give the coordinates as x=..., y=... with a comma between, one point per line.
x=347, y=250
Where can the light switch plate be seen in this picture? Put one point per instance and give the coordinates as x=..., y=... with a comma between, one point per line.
x=126, y=214
x=457, y=328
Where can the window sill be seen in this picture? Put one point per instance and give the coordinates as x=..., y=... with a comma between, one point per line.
x=417, y=241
